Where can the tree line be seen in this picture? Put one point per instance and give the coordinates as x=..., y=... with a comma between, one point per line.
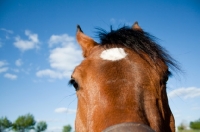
x=25, y=123
x=194, y=125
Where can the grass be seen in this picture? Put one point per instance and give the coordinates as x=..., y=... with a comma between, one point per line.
x=189, y=131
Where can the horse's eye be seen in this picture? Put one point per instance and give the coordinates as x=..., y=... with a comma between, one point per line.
x=74, y=83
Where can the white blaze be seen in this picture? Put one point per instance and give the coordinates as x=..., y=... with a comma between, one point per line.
x=113, y=54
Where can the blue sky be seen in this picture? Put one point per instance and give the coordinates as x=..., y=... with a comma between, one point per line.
x=38, y=52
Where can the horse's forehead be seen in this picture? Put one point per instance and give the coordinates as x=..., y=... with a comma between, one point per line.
x=113, y=54
x=101, y=55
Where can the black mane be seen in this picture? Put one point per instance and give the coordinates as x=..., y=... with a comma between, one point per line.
x=139, y=41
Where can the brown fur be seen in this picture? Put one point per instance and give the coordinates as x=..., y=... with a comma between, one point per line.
x=127, y=90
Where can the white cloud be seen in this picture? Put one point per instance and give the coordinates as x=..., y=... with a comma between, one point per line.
x=63, y=39
x=64, y=110
x=10, y=76
x=190, y=92
x=3, y=63
x=2, y=68
x=18, y=62
x=50, y=73
x=31, y=43
x=65, y=58
x=7, y=31
x=62, y=59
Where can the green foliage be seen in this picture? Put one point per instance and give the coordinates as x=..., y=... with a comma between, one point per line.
x=189, y=130
x=67, y=128
x=41, y=126
x=24, y=123
x=195, y=125
x=182, y=127
x=5, y=124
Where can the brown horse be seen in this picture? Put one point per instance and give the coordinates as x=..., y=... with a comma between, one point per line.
x=122, y=79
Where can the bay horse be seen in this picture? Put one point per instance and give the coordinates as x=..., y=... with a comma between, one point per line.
x=122, y=82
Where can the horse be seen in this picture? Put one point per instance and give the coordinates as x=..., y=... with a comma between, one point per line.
x=121, y=82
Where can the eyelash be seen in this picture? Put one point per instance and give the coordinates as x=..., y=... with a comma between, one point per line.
x=74, y=84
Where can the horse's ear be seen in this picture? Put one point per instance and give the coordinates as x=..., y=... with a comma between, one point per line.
x=136, y=26
x=84, y=41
